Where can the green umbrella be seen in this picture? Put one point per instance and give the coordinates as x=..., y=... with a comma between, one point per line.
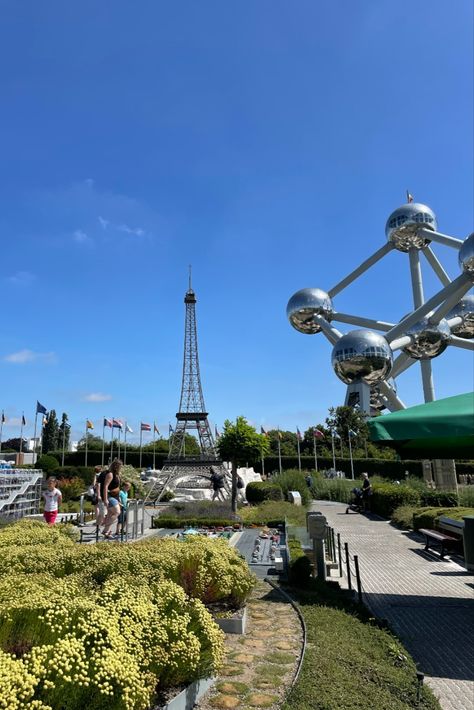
x=442, y=429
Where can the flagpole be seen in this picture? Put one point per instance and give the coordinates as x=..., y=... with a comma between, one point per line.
x=34, y=436
x=87, y=436
x=140, y=465
x=64, y=442
x=154, y=443
x=279, y=451
x=350, y=452
x=342, y=450
x=103, y=441
x=119, y=430
x=1, y=429
x=315, y=453
x=112, y=441
x=263, y=462
x=333, y=452
x=299, y=452
x=125, y=445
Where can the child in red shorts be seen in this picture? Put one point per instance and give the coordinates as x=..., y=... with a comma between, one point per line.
x=52, y=500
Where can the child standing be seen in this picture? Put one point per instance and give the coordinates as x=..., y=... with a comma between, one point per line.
x=123, y=501
x=52, y=500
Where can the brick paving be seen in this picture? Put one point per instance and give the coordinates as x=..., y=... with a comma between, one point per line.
x=428, y=602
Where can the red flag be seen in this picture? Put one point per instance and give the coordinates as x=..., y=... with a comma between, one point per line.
x=263, y=431
x=318, y=434
x=108, y=422
x=155, y=428
x=298, y=434
x=117, y=424
x=145, y=427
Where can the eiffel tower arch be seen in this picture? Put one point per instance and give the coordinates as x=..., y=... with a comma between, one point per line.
x=183, y=471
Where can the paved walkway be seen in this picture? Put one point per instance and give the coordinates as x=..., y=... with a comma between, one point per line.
x=427, y=601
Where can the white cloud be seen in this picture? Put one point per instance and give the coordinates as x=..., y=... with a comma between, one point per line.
x=138, y=231
x=23, y=356
x=21, y=278
x=81, y=237
x=104, y=223
x=97, y=397
x=13, y=421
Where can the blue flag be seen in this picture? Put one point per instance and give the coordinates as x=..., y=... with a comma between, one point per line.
x=40, y=409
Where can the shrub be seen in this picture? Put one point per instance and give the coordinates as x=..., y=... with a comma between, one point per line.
x=293, y=480
x=445, y=499
x=427, y=517
x=71, y=488
x=47, y=463
x=338, y=489
x=300, y=571
x=201, y=509
x=403, y=516
x=166, y=521
x=257, y=492
x=466, y=496
x=389, y=496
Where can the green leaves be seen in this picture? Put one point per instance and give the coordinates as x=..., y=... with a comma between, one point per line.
x=241, y=444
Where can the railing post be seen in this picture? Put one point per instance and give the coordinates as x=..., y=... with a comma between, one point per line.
x=81, y=510
x=333, y=543
x=339, y=553
x=359, y=585
x=143, y=517
x=348, y=565
x=135, y=521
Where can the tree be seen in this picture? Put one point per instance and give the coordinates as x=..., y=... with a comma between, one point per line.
x=240, y=444
x=64, y=433
x=14, y=445
x=288, y=443
x=94, y=443
x=51, y=433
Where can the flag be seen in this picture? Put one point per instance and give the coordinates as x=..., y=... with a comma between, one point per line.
x=218, y=436
x=127, y=428
x=298, y=435
x=318, y=434
x=335, y=435
x=40, y=409
x=145, y=427
x=89, y=424
x=117, y=424
x=45, y=421
x=279, y=434
x=23, y=420
x=263, y=431
x=352, y=432
x=170, y=430
x=108, y=422
x=4, y=419
x=409, y=197
x=155, y=429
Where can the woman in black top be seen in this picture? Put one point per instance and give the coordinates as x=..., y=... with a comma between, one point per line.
x=366, y=491
x=109, y=493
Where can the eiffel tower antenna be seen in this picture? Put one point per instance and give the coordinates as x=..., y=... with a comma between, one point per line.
x=190, y=274
x=181, y=469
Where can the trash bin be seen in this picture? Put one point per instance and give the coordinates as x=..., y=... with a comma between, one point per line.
x=468, y=539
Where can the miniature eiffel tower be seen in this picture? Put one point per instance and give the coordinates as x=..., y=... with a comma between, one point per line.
x=182, y=470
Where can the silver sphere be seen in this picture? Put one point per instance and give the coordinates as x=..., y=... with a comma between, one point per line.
x=466, y=256
x=377, y=399
x=465, y=310
x=428, y=340
x=304, y=305
x=362, y=355
x=403, y=225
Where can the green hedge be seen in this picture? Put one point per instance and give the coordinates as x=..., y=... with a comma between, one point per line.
x=257, y=492
x=174, y=523
x=300, y=565
x=94, y=458
x=427, y=517
x=440, y=499
x=388, y=496
x=293, y=480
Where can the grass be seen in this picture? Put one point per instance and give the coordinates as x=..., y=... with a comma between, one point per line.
x=466, y=496
x=273, y=510
x=351, y=662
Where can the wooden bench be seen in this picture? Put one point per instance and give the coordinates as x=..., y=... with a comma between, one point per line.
x=434, y=537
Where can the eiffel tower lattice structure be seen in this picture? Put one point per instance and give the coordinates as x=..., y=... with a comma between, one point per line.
x=182, y=470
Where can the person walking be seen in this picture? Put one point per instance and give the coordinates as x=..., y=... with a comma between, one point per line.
x=123, y=501
x=366, y=492
x=52, y=500
x=109, y=493
x=217, y=483
x=100, y=510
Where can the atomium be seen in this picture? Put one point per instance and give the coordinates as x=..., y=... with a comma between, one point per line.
x=465, y=310
x=466, y=256
x=362, y=355
x=304, y=305
x=378, y=401
x=403, y=225
x=428, y=340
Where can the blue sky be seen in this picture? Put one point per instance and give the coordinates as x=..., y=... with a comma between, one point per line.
x=264, y=142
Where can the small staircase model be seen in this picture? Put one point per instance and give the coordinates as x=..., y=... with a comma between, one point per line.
x=20, y=492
